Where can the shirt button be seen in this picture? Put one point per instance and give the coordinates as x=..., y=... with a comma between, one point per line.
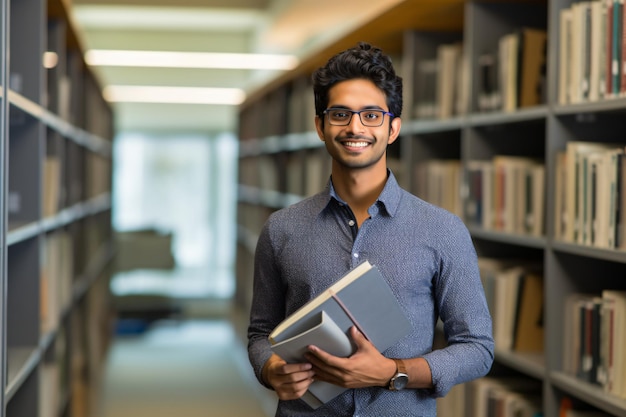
x=351, y=223
x=356, y=255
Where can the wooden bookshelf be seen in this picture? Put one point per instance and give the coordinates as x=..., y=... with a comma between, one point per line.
x=56, y=232
x=412, y=33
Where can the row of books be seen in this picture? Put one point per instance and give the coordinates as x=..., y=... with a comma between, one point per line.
x=590, y=194
x=514, y=292
x=441, y=83
x=594, y=339
x=56, y=278
x=504, y=397
x=591, y=50
x=438, y=181
x=514, y=76
x=62, y=186
x=506, y=193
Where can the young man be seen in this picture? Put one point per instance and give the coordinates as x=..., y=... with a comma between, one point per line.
x=424, y=252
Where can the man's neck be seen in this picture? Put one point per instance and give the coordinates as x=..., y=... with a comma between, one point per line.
x=359, y=188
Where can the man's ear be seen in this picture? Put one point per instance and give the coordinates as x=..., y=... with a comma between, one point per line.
x=319, y=127
x=394, y=129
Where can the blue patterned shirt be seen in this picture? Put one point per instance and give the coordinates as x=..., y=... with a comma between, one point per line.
x=427, y=256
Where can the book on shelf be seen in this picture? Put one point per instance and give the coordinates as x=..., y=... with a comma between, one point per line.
x=438, y=181
x=52, y=186
x=620, y=202
x=616, y=43
x=514, y=294
x=597, y=52
x=508, y=47
x=565, y=55
x=361, y=298
x=453, y=404
x=589, y=334
x=518, y=194
x=449, y=60
x=612, y=362
x=529, y=322
x=479, y=201
x=594, y=339
x=488, y=95
x=532, y=66
x=504, y=396
x=576, y=187
x=601, y=209
x=426, y=89
x=507, y=193
x=514, y=76
x=590, y=51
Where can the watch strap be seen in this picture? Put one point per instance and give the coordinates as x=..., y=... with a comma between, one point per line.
x=400, y=373
x=400, y=366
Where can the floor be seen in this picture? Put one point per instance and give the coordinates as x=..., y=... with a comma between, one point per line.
x=191, y=364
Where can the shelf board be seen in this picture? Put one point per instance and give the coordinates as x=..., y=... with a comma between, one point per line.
x=532, y=364
x=530, y=114
x=274, y=144
x=25, y=231
x=510, y=238
x=19, y=232
x=21, y=362
x=612, y=255
x=79, y=136
x=590, y=393
x=617, y=104
x=416, y=127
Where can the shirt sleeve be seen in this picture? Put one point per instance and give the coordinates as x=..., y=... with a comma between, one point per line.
x=460, y=300
x=268, y=306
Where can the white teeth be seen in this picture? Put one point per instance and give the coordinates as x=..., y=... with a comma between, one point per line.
x=356, y=144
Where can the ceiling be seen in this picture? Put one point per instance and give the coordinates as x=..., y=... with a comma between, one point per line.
x=297, y=27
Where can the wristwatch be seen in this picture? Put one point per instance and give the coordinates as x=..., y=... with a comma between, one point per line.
x=401, y=378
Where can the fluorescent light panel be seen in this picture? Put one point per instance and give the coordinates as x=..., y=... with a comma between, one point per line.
x=171, y=59
x=173, y=95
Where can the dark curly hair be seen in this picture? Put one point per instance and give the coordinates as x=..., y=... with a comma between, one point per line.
x=365, y=62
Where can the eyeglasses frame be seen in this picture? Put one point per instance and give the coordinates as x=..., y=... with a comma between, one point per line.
x=353, y=112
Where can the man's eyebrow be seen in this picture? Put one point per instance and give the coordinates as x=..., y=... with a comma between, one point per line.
x=344, y=107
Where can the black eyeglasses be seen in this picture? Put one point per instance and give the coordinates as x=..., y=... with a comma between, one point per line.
x=369, y=118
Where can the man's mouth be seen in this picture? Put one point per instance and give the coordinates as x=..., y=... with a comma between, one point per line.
x=355, y=144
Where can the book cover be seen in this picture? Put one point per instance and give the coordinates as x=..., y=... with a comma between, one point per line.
x=361, y=298
x=529, y=328
x=532, y=61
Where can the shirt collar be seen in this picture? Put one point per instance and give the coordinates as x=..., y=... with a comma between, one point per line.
x=389, y=198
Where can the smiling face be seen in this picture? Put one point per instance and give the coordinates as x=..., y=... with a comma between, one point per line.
x=356, y=146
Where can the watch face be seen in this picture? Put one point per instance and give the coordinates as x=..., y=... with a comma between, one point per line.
x=400, y=381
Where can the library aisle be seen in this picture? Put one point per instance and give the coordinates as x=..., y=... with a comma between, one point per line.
x=188, y=367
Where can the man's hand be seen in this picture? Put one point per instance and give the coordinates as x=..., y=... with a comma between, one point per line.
x=367, y=367
x=290, y=381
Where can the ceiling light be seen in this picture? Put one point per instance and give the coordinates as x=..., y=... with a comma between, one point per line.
x=165, y=59
x=176, y=95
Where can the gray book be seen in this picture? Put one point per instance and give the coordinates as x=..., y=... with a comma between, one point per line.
x=361, y=298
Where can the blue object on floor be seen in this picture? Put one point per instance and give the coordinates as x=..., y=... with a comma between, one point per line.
x=131, y=326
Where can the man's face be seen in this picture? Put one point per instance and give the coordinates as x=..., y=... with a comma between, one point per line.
x=355, y=145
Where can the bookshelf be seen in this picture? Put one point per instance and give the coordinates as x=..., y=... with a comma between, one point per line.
x=476, y=130
x=55, y=201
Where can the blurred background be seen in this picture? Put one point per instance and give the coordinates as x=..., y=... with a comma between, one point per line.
x=175, y=72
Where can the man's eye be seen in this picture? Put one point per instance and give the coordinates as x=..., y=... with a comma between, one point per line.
x=371, y=115
x=339, y=115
